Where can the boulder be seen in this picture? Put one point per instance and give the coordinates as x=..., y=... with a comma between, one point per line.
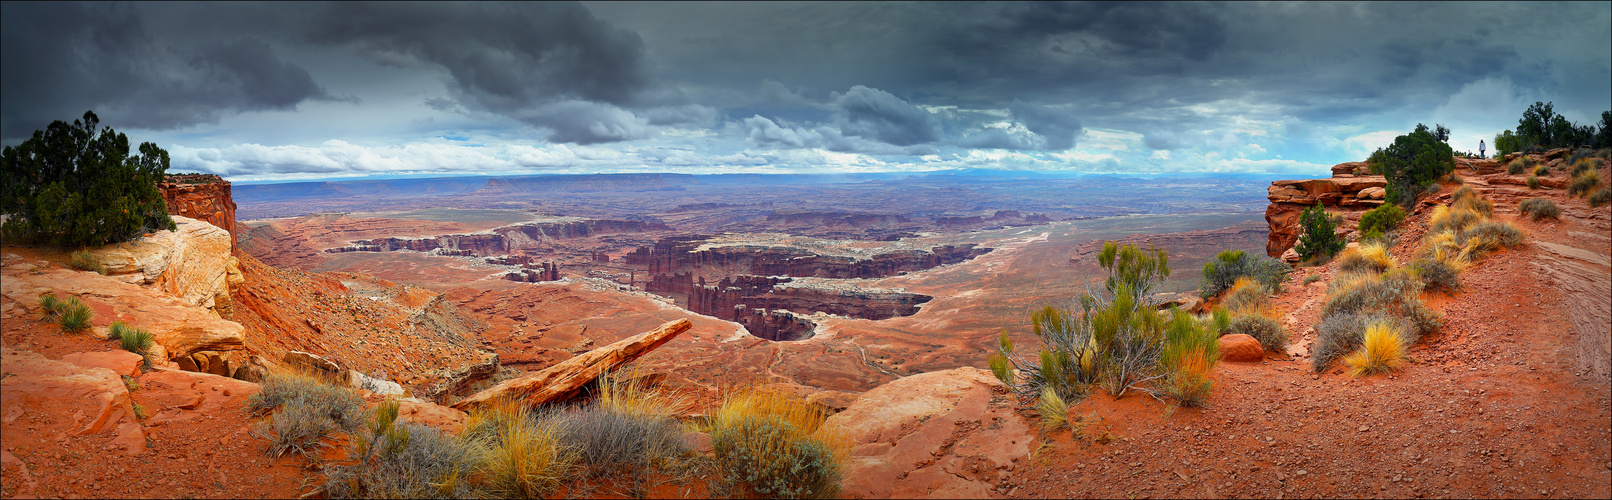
x=563, y=379
x=442, y=418
x=192, y=263
x=1374, y=193
x=945, y=434
x=1351, y=168
x=1241, y=347
x=298, y=360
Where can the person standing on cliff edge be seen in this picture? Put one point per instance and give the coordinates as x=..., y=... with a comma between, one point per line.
x=1480, y=149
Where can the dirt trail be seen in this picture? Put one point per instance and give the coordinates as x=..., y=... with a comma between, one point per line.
x=1508, y=399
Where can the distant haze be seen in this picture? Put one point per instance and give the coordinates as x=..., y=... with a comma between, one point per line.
x=282, y=91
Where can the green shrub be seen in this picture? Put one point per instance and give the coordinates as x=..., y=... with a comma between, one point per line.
x=1542, y=170
x=1539, y=208
x=74, y=316
x=1318, y=238
x=298, y=428
x=1269, y=332
x=1437, y=275
x=1584, y=183
x=1222, y=272
x=770, y=445
x=1412, y=163
x=1382, y=219
x=1601, y=197
x=79, y=186
x=1533, y=182
x=84, y=261
x=1517, y=166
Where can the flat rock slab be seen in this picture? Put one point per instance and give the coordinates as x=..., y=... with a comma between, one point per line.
x=933, y=435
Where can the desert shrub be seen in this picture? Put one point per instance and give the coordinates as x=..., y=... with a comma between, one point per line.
x=49, y=306
x=73, y=315
x=1318, y=239
x=298, y=428
x=526, y=459
x=1412, y=163
x=1539, y=208
x=773, y=445
x=135, y=340
x=1053, y=410
x=1445, y=218
x=1516, y=166
x=1269, y=332
x=77, y=185
x=1382, y=350
x=1533, y=182
x=415, y=461
x=1370, y=257
x=1466, y=199
x=84, y=261
x=1113, y=341
x=1437, y=275
x=1246, y=297
x=1311, y=279
x=1583, y=165
x=341, y=406
x=609, y=442
x=1584, y=183
x=1486, y=237
x=1339, y=334
x=1382, y=219
x=1223, y=271
x=1580, y=154
x=1191, y=350
x=1394, y=293
x=1601, y=197
x=1542, y=170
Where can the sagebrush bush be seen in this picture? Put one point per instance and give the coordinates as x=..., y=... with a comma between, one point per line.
x=418, y=462
x=1601, y=197
x=1539, y=208
x=1446, y=218
x=341, y=406
x=613, y=442
x=299, y=428
x=1370, y=257
x=1542, y=170
x=1466, y=199
x=1533, y=182
x=1246, y=297
x=773, y=445
x=1382, y=350
x=84, y=261
x=1516, y=166
x=73, y=316
x=1583, y=165
x=1222, y=272
x=1395, y=293
x=1269, y=332
x=1584, y=183
x=1437, y=275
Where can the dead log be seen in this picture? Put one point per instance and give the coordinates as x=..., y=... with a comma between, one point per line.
x=565, y=378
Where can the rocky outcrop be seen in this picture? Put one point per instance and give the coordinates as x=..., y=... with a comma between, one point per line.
x=180, y=328
x=203, y=197
x=1347, y=194
x=747, y=299
x=672, y=255
x=63, y=399
x=565, y=378
x=193, y=263
x=944, y=434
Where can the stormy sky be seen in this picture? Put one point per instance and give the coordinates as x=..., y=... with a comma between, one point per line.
x=297, y=90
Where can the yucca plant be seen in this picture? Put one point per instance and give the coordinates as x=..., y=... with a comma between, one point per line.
x=74, y=316
x=49, y=306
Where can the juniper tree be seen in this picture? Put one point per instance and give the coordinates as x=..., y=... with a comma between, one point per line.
x=77, y=185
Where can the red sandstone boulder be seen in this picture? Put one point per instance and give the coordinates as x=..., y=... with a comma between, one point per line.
x=63, y=399
x=1240, y=347
x=945, y=434
x=442, y=418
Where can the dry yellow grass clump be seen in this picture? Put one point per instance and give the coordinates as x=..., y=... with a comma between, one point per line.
x=775, y=445
x=1373, y=257
x=1382, y=350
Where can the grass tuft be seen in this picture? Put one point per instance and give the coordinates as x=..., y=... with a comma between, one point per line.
x=1369, y=257
x=73, y=315
x=1516, y=166
x=1584, y=183
x=135, y=340
x=1191, y=350
x=83, y=260
x=1600, y=197
x=770, y=444
x=1053, y=410
x=1437, y=275
x=1542, y=170
x=527, y=460
x=1382, y=350
x=49, y=306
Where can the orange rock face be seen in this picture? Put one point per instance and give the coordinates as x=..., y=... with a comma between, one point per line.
x=1241, y=347
x=1348, y=195
x=202, y=197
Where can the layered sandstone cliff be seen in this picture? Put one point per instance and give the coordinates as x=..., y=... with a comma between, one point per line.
x=202, y=197
x=193, y=263
x=1345, y=194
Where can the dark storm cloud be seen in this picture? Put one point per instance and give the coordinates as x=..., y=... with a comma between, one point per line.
x=500, y=57
x=881, y=116
x=585, y=122
x=64, y=58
